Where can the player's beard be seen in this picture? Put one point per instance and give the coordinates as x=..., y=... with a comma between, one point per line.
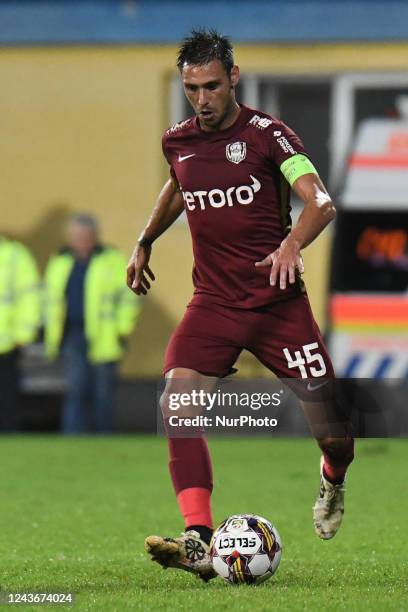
x=216, y=122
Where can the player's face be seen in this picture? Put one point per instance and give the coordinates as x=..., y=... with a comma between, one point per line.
x=210, y=91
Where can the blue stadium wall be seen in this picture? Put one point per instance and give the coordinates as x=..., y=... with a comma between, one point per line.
x=166, y=21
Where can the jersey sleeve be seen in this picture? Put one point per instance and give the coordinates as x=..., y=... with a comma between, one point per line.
x=288, y=153
x=166, y=155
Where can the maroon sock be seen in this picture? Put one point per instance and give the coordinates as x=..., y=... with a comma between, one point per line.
x=190, y=464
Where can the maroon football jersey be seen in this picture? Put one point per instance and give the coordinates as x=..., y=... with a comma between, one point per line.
x=237, y=204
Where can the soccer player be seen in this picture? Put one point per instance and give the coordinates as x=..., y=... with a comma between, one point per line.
x=231, y=170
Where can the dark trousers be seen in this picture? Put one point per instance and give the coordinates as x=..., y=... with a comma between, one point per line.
x=9, y=393
x=88, y=403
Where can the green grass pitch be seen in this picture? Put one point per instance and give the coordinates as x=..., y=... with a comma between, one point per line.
x=74, y=514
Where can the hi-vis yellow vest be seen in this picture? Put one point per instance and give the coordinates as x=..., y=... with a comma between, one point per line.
x=20, y=313
x=110, y=309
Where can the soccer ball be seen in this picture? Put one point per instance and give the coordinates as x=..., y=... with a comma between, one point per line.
x=245, y=548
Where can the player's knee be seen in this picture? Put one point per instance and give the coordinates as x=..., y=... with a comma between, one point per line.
x=339, y=450
x=168, y=401
x=175, y=399
x=185, y=393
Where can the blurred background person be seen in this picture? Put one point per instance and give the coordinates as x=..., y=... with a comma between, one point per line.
x=89, y=314
x=19, y=322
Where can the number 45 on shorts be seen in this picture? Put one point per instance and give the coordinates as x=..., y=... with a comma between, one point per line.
x=304, y=361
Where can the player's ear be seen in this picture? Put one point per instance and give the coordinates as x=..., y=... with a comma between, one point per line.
x=234, y=76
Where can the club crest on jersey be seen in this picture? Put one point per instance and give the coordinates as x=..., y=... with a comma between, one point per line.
x=236, y=152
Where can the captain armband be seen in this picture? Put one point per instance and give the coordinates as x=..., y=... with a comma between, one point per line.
x=297, y=166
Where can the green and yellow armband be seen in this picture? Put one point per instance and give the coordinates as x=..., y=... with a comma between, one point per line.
x=297, y=166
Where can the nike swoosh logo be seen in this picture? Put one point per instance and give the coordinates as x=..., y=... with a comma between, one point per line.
x=313, y=388
x=182, y=158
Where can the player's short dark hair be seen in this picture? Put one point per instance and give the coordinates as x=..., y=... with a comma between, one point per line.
x=203, y=46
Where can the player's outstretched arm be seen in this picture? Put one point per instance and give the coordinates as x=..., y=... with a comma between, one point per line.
x=317, y=213
x=169, y=206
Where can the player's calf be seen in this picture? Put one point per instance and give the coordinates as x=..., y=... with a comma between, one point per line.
x=338, y=453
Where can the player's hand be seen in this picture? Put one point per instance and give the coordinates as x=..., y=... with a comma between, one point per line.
x=284, y=262
x=138, y=270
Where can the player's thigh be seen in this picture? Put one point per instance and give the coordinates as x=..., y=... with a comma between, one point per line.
x=288, y=341
x=207, y=341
